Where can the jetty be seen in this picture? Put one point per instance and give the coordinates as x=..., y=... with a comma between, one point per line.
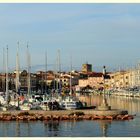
x=34, y=115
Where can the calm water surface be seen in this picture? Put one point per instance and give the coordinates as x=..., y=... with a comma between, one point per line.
x=129, y=128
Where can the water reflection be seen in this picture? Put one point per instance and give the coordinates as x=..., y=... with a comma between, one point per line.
x=66, y=128
x=116, y=102
x=5, y=127
x=17, y=129
x=52, y=128
x=58, y=128
x=104, y=125
x=20, y=126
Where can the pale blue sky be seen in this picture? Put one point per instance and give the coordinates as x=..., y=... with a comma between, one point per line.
x=100, y=34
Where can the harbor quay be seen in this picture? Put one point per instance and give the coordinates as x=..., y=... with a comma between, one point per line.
x=65, y=112
x=89, y=114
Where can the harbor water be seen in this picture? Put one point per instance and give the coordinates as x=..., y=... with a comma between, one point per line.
x=86, y=128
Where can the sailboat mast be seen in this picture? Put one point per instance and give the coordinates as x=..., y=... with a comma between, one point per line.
x=17, y=68
x=46, y=71
x=7, y=93
x=59, y=63
x=59, y=71
x=70, y=75
x=28, y=71
x=54, y=76
x=3, y=84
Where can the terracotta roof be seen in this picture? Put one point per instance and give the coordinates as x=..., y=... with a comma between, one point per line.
x=96, y=74
x=50, y=78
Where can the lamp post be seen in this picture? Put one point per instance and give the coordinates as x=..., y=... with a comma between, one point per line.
x=104, y=97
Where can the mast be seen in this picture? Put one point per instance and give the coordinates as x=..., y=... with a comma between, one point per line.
x=70, y=75
x=3, y=84
x=42, y=82
x=17, y=69
x=57, y=67
x=7, y=93
x=59, y=62
x=59, y=71
x=46, y=71
x=54, y=76
x=28, y=71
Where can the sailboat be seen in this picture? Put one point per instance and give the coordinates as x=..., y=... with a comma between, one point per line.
x=44, y=103
x=7, y=96
x=70, y=102
x=2, y=94
x=14, y=101
x=25, y=104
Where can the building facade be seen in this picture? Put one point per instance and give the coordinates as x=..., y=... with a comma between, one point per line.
x=94, y=80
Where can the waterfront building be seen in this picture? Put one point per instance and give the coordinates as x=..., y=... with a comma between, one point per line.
x=65, y=79
x=11, y=83
x=23, y=80
x=2, y=82
x=120, y=79
x=94, y=80
x=136, y=75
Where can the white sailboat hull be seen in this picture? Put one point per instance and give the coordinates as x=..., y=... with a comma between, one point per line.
x=25, y=107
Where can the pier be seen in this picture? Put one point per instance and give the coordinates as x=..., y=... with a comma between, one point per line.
x=35, y=115
x=62, y=112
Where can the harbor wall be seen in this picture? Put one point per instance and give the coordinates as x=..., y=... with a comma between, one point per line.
x=65, y=112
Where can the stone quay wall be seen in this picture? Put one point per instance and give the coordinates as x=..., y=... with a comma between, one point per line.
x=67, y=112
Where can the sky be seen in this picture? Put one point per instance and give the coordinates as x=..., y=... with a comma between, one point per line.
x=100, y=34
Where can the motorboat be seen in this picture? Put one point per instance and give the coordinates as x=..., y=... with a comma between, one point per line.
x=70, y=103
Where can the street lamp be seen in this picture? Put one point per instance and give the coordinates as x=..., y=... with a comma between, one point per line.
x=104, y=75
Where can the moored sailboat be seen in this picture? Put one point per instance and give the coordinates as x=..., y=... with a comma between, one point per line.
x=25, y=104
